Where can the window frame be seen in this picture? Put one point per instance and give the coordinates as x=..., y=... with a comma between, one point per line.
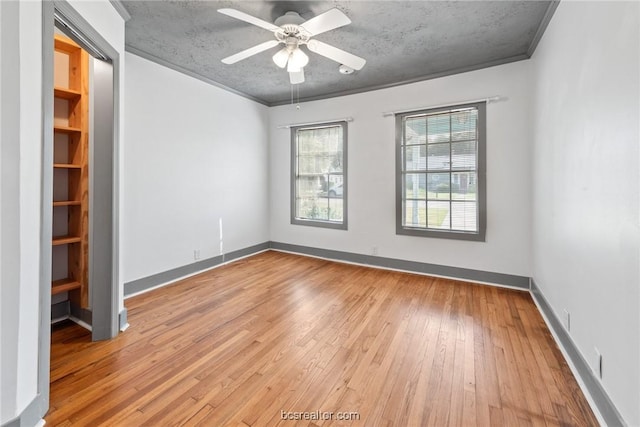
x=294, y=173
x=480, y=170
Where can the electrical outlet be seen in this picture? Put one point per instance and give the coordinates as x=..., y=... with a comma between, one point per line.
x=598, y=362
x=196, y=254
x=374, y=250
x=567, y=320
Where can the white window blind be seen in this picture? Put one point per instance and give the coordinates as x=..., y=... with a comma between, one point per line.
x=440, y=177
x=318, y=175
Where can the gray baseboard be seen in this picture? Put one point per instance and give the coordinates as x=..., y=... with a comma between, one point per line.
x=149, y=282
x=82, y=314
x=65, y=309
x=31, y=415
x=61, y=310
x=600, y=397
x=521, y=282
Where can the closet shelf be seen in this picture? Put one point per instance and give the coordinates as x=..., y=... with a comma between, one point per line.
x=65, y=93
x=63, y=285
x=67, y=203
x=66, y=129
x=66, y=166
x=63, y=240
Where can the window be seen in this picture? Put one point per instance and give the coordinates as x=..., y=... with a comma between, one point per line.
x=319, y=170
x=440, y=181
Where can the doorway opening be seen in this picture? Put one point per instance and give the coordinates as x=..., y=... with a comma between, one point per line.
x=79, y=227
x=82, y=186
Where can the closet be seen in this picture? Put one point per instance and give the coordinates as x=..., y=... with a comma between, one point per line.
x=70, y=243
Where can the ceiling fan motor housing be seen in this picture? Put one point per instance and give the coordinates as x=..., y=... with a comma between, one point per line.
x=291, y=43
x=291, y=33
x=289, y=18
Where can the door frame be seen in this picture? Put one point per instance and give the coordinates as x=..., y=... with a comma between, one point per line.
x=109, y=321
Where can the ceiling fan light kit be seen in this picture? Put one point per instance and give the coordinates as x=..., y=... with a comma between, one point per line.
x=281, y=57
x=297, y=60
x=293, y=31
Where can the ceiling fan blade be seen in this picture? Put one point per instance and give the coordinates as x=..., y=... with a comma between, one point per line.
x=248, y=18
x=296, y=77
x=335, y=54
x=326, y=21
x=249, y=52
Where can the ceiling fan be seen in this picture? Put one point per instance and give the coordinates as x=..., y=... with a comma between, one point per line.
x=293, y=31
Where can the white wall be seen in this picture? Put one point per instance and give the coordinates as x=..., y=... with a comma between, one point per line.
x=371, y=172
x=586, y=185
x=195, y=153
x=10, y=201
x=21, y=188
x=30, y=199
x=21, y=128
x=21, y=123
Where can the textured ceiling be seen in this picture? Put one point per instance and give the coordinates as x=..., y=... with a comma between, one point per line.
x=402, y=41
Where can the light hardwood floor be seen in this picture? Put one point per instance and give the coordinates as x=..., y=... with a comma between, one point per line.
x=275, y=332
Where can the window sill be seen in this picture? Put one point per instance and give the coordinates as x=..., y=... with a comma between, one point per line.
x=444, y=234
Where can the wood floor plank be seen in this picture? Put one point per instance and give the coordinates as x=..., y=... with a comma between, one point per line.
x=275, y=332
x=420, y=406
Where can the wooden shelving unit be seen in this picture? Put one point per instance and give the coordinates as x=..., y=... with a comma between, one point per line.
x=70, y=181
